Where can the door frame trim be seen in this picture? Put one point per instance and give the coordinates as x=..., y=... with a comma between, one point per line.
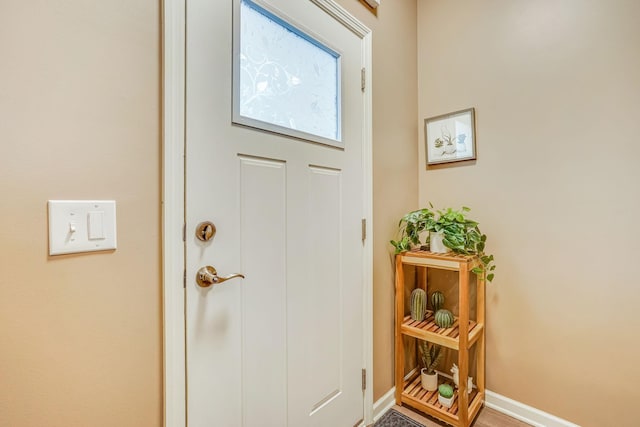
x=173, y=210
x=173, y=205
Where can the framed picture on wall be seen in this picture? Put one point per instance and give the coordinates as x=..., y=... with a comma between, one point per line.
x=450, y=137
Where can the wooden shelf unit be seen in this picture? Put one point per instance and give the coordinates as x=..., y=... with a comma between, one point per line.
x=462, y=336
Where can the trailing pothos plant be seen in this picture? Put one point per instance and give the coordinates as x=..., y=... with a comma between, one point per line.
x=410, y=227
x=460, y=234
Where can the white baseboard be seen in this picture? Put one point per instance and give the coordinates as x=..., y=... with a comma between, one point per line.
x=383, y=404
x=503, y=404
x=522, y=412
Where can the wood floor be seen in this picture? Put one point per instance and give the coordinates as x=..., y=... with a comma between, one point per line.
x=486, y=418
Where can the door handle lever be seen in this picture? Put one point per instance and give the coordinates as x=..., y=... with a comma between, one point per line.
x=208, y=276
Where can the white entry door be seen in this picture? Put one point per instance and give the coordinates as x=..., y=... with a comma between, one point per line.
x=285, y=345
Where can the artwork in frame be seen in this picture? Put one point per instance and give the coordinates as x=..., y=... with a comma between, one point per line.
x=450, y=137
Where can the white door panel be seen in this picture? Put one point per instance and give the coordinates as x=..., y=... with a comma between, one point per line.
x=264, y=291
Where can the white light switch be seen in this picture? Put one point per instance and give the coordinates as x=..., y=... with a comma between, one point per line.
x=81, y=226
x=96, y=225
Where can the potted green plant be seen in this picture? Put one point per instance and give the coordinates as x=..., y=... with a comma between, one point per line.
x=411, y=227
x=445, y=395
x=456, y=231
x=431, y=354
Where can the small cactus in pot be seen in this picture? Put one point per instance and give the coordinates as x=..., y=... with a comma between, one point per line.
x=418, y=304
x=445, y=395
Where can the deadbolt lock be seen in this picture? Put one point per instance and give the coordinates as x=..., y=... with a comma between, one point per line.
x=205, y=231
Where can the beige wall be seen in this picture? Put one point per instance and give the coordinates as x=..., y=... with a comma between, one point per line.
x=395, y=187
x=80, y=102
x=80, y=335
x=555, y=85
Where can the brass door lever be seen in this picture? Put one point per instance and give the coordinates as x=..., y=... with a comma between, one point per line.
x=208, y=276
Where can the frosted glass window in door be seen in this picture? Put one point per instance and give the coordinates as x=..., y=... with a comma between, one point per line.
x=286, y=78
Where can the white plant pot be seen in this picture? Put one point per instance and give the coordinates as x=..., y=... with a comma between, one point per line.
x=429, y=382
x=447, y=403
x=422, y=240
x=435, y=242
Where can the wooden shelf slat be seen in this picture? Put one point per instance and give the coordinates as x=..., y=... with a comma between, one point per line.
x=449, y=337
x=447, y=261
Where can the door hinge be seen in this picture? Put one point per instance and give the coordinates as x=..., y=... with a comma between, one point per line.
x=364, y=229
x=363, y=79
x=184, y=232
x=364, y=379
x=184, y=279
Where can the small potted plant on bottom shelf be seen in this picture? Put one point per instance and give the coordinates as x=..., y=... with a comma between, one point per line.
x=430, y=355
x=445, y=395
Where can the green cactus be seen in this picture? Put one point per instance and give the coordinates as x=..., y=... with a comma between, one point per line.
x=418, y=304
x=437, y=300
x=444, y=318
x=445, y=390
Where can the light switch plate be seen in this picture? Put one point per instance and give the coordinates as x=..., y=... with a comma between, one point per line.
x=81, y=226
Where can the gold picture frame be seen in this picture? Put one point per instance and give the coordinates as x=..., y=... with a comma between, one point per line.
x=450, y=137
